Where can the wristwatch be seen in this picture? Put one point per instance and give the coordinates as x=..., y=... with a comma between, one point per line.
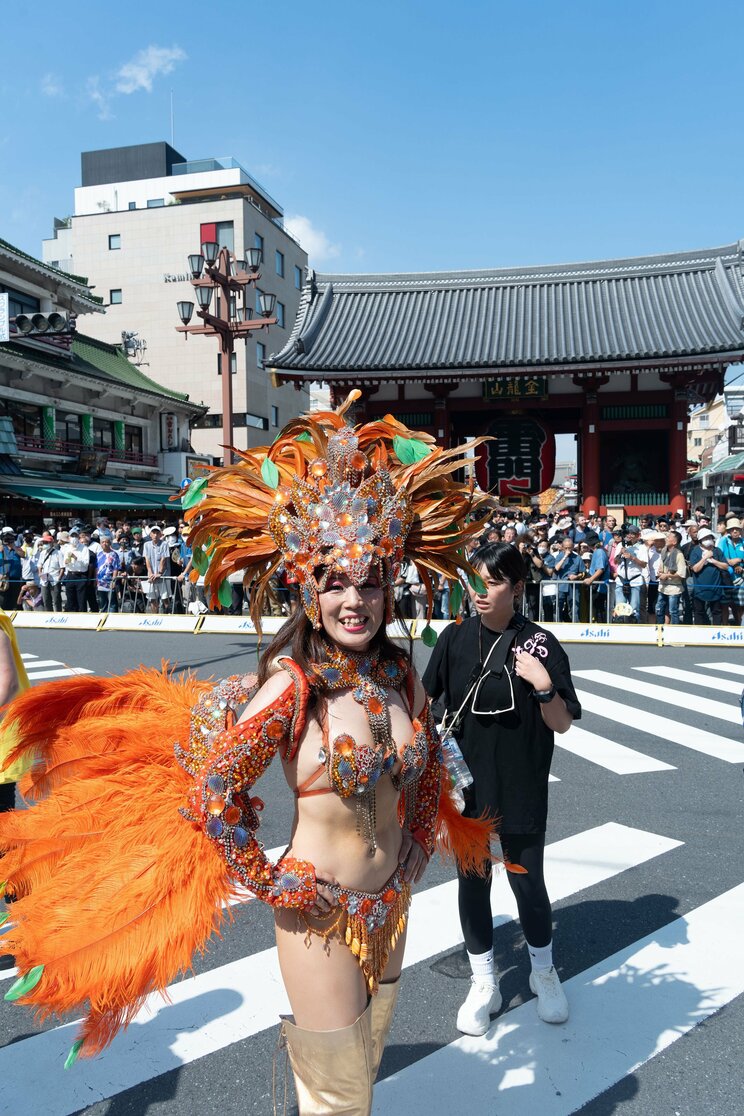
x=544, y=696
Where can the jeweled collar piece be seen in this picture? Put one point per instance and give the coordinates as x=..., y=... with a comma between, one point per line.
x=355, y=769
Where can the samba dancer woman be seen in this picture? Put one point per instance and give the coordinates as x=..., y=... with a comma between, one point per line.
x=336, y=699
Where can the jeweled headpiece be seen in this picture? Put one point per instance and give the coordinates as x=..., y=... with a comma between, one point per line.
x=327, y=497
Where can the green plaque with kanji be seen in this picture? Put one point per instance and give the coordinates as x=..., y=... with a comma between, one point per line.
x=511, y=388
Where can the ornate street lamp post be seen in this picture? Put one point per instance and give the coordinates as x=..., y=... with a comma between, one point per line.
x=215, y=269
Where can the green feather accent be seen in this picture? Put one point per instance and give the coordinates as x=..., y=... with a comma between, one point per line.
x=194, y=493
x=428, y=636
x=270, y=473
x=303, y=437
x=4, y=918
x=199, y=560
x=224, y=594
x=477, y=583
x=410, y=450
x=72, y=1057
x=25, y=983
x=455, y=598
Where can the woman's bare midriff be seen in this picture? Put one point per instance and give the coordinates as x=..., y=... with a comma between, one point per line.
x=324, y=830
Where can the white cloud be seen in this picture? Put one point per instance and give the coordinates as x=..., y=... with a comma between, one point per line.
x=98, y=97
x=315, y=242
x=146, y=65
x=50, y=87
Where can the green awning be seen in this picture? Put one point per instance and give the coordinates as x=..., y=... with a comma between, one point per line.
x=90, y=496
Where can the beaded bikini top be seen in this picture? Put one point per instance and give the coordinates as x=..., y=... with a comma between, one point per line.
x=354, y=769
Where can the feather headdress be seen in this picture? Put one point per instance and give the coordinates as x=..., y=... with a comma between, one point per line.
x=327, y=496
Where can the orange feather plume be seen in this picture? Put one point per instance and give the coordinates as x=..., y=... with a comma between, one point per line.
x=465, y=840
x=143, y=891
x=230, y=529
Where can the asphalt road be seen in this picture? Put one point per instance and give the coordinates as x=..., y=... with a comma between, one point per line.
x=647, y=849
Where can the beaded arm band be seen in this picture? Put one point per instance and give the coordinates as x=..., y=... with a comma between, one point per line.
x=426, y=790
x=220, y=803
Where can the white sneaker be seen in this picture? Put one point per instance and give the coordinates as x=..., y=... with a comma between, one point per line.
x=483, y=1000
x=552, y=1005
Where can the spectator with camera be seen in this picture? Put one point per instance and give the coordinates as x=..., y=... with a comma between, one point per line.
x=630, y=562
x=568, y=568
x=672, y=579
x=708, y=565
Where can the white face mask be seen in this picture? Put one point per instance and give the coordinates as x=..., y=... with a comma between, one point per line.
x=542, y=550
x=707, y=543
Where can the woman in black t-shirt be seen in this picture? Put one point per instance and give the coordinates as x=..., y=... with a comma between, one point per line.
x=517, y=681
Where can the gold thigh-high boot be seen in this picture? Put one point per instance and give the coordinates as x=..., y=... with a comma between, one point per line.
x=332, y=1069
x=383, y=1006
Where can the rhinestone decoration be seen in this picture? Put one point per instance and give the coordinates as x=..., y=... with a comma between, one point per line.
x=344, y=515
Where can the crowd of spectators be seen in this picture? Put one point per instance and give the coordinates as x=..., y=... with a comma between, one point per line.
x=578, y=568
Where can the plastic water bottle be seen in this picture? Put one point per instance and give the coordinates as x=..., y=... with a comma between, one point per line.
x=457, y=769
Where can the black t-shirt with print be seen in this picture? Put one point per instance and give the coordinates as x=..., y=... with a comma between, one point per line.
x=508, y=753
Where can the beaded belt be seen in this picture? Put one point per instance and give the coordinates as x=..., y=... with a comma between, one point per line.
x=374, y=922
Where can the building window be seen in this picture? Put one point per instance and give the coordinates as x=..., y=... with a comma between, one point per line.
x=225, y=236
x=280, y=314
x=133, y=439
x=233, y=363
x=132, y=205
x=218, y=232
x=697, y=441
x=703, y=420
x=280, y=263
x=260, y=354
x=114, y=241
x=68, y=428
x=19, y=302
x=258, y=242
x=115, y=297
x=213, y=421
x=27, y=420
x=103, y=434
x=155, y=203
x=274, y=416
x=298, y=278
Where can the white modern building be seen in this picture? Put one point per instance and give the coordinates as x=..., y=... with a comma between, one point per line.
x=138, y=214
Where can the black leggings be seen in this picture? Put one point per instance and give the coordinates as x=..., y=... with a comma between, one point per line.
x=533, y=904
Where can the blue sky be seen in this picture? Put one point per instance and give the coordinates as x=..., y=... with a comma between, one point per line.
x=407, y=136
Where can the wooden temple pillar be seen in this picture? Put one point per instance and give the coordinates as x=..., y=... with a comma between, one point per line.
x=678, y=448
x=441, y=424
x=589, y=465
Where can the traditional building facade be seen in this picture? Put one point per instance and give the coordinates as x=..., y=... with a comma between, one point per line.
x=614, y=351
x=139, y=213
x=82, y=430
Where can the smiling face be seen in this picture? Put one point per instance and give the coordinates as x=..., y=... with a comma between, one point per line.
x=352, y=616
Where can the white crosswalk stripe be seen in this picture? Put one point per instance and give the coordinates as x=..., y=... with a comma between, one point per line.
x=722, y=685
x=663, y=694
x=647, y=997
x=234, y=1001
x=37, y=669
x=607, y=753
x=728, y=668
x=676, y=732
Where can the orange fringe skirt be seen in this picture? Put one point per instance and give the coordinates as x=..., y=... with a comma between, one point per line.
x=369, y=922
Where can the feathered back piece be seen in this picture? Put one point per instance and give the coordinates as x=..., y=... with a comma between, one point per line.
x=327, y=497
